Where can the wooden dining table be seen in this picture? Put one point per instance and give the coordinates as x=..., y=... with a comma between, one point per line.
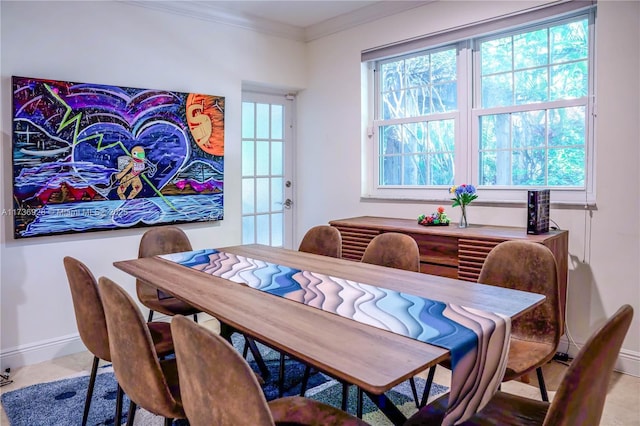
x=371, y=358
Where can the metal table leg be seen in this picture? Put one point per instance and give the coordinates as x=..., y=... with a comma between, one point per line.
x=388, y=408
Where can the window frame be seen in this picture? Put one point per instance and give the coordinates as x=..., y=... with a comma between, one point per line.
x=466, y=122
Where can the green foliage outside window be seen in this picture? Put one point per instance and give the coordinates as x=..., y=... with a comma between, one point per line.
x=531, y=111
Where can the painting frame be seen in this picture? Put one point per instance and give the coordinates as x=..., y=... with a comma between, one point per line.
x=94, y=157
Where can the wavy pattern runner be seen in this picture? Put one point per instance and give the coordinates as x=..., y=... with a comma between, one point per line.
x=478, y=340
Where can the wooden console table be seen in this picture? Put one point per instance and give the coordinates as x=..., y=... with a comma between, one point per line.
x=450, y=251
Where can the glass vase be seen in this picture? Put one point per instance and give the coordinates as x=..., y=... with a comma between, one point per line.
x=463, y=217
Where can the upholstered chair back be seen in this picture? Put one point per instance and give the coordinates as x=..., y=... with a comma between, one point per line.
x=218, y=387
x=581, y=396
x=87, y=305
x=150, y=383
x=528, y=266
x=393, y=250
x=324, y=240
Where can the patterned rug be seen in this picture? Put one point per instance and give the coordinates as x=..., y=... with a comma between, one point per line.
x=62, y=402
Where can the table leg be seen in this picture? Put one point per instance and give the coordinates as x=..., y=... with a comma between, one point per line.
x=226, y=331
x=345, y=396
x=257, y=357
x=388, y=408
x=427, y=387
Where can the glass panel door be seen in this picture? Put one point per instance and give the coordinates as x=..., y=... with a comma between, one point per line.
x=267, y=205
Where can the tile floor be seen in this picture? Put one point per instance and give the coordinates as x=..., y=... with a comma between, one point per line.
x=622, y=407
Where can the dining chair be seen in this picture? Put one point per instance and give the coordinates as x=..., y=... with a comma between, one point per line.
x=579, y=400
x=535, y=335
x=149, y=382
x=218, y=386
x=157, y=241
x=92, y=327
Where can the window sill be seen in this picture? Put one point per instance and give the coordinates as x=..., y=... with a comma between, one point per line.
x=504, y=204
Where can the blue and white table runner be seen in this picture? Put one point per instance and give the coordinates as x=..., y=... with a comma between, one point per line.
x=478, y=340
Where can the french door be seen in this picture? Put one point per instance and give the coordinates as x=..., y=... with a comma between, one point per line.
x=267, y=172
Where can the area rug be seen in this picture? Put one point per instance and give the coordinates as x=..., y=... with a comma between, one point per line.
x=401, y=396
x=62, y=402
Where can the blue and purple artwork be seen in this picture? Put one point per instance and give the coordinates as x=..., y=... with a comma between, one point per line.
x=90, y=157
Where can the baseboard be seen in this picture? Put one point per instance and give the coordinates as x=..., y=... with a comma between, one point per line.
x=628, y=361
x=47, y=350
x=37, y=352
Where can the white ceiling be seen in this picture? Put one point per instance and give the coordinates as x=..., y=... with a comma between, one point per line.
x=302, y=20
x=296, y=13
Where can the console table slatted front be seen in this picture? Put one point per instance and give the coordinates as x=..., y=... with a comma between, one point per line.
x=450, y=251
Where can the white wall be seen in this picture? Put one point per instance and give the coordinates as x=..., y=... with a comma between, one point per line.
x=118, y=44
x=604, y=245
x=113, y=43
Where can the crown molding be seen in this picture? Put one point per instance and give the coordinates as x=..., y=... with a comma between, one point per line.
x=208, y=11
x=360, y=16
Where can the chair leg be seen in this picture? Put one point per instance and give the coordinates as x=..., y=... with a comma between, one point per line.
x=305, y=380
x=195, y=319
x=132, y=413
x=543, y=387
x=281, y=376
x=92, y=382
x=427, y=387
x=360, y=403
x=150, y=316
x=119, y=400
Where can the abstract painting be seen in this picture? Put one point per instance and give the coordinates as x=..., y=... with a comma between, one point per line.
x=90, y=157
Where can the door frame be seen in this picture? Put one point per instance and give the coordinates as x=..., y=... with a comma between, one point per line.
x=288, y=100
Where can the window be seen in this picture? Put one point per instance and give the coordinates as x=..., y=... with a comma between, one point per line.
x=507, y=111
x=418, y=107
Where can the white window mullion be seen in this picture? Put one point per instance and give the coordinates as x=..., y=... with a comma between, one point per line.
x=465, y=146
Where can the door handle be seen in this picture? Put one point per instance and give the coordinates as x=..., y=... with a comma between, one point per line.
x=287, y=203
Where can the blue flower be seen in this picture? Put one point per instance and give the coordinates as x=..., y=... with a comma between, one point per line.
x=464, y=194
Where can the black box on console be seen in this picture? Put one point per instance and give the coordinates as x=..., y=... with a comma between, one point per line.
x=538, y=211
